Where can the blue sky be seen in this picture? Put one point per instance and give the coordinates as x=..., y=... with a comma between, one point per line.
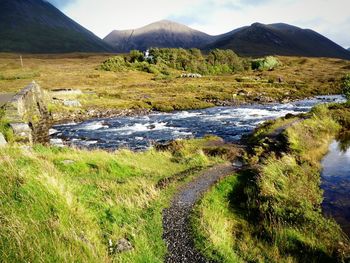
x=330, y=18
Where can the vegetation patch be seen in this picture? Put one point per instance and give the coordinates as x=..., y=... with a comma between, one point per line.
x=274, y=213
x=267, y=63
x=346, y=86
x=165, y=60
x=70, y=205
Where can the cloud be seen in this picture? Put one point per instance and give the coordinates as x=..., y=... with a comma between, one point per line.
x=61, y=3
x=330, y=18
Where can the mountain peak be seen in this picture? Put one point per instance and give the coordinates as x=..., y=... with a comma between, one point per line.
x=36, y=26
x=163, y=33
x=257, y=24
x=279, y=39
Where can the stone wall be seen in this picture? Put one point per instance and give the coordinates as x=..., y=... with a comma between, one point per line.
x=28, y=115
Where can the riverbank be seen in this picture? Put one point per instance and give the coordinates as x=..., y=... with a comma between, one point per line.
x=272, y=212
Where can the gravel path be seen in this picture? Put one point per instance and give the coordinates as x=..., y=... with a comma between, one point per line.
x=176, y=219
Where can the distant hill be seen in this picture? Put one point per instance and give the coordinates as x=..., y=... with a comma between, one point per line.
x=36, y=26
x=278, y=39
x=159, y=34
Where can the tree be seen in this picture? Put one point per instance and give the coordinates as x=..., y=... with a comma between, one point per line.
x=135, y=56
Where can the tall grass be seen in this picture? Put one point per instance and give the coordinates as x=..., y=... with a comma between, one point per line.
x=274, y=213
x=68, y=205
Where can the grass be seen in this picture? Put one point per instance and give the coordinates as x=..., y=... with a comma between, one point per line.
x=214, y=220
x=297, y=78
x=272, y=213
x=69, y=205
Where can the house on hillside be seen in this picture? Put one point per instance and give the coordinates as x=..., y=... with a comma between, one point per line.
x=147, y=56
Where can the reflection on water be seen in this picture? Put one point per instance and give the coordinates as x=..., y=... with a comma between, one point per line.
x=336, y=182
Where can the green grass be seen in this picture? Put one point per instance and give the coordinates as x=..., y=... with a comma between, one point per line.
x=214, y=218
x=273, y=213
x=66, y=205
x=5, y=127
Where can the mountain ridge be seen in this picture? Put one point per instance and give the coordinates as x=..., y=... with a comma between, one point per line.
x=163, y=33
x=279, y=39
x=36, y=26
x=255, y=40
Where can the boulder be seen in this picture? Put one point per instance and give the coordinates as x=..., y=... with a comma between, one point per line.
x=57, y=142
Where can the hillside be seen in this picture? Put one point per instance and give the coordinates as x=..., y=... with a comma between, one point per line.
x=36, y=26
x=159, y=34
x=279, y=39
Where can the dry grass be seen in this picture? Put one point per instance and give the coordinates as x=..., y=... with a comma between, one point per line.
x=298, y=77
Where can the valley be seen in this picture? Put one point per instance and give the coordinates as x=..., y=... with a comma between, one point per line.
x=150, y=142
x=110, y=205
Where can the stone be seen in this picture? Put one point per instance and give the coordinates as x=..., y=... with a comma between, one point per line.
x=22, y=132
x=71, y=103
x=123, y=245
x=68, y=162
x=66, y=92
x=237, y=163
x=57, y=142
x=191, y=75
x=3, y=141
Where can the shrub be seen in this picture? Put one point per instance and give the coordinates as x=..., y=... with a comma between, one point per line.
x=267, y=63
x=135, y=56
x=346, y=86
x=116, y=63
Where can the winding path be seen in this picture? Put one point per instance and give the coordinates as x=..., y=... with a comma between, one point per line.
x=176, y=219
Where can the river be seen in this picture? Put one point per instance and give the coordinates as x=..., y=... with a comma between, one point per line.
x=140, y=132
x=336, y=182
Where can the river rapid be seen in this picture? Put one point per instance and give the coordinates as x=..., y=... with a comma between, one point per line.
x=141, y=132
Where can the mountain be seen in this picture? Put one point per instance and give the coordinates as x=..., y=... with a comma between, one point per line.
x=36, y=26
x=159, y=34
x=278, y=39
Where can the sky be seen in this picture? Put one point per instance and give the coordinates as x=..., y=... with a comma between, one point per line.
x=330, y=18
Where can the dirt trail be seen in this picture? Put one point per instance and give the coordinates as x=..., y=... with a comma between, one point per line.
x=176, y=219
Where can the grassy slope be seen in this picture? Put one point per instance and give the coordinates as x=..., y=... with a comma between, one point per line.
x=300, y=77
x=64, y=205
x=283, y=220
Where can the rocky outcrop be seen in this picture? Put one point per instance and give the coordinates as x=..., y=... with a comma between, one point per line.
x=28, y=115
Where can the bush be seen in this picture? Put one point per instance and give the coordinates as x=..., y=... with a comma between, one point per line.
x=346, y=86
x=161, y=60
x=267, y=63
x=116, y=63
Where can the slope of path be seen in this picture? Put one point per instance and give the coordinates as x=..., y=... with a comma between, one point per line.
x=176, y=219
